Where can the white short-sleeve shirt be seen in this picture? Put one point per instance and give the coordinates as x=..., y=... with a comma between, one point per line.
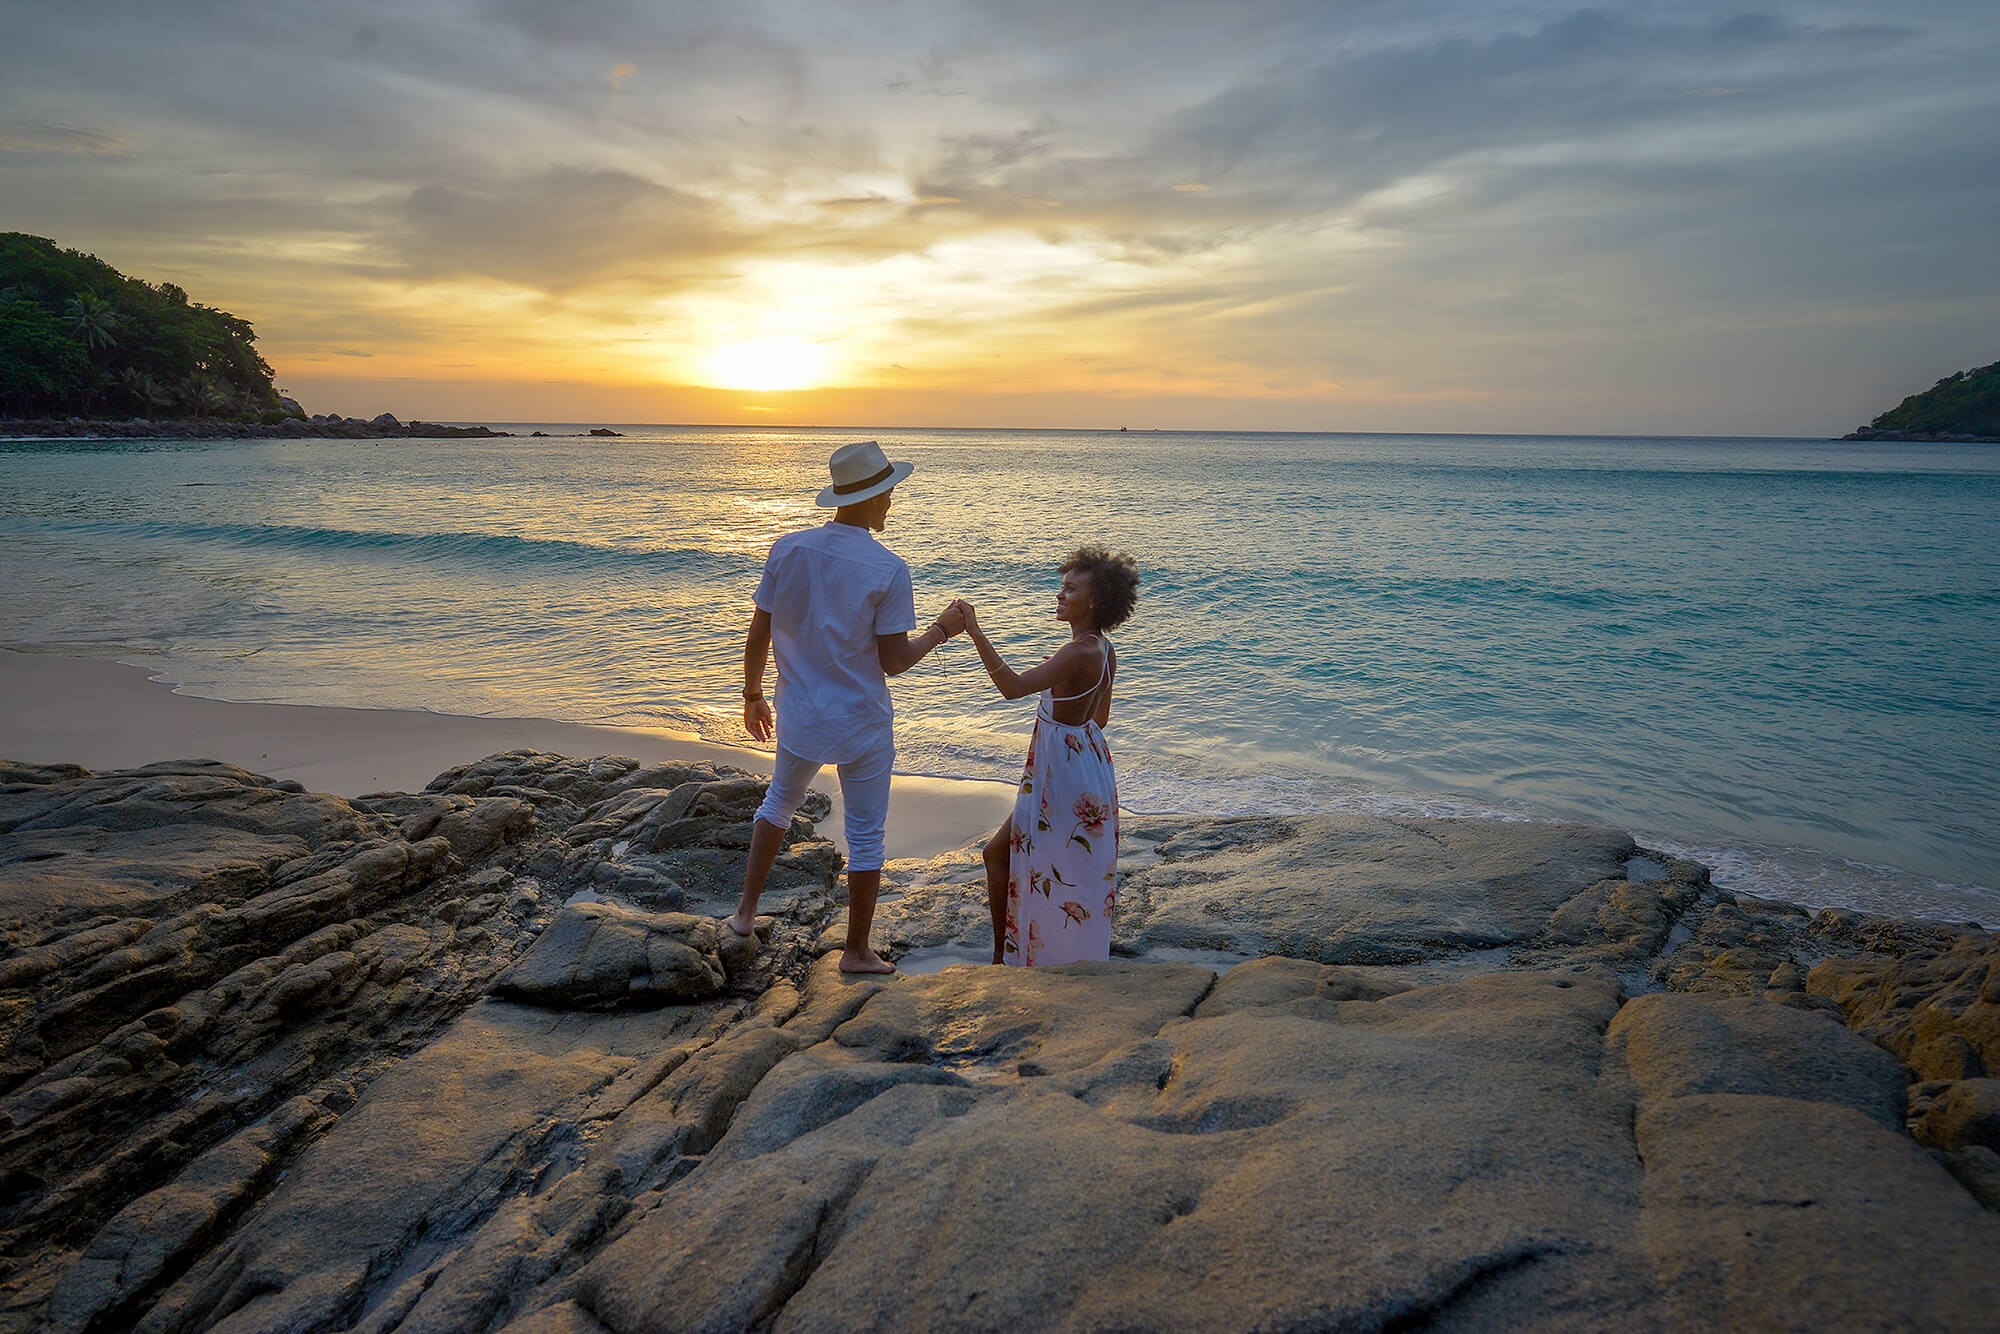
x=830, y=590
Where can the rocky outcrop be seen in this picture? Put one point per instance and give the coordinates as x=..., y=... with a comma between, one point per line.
x=1937, y=1007
x=203, y=967
x=1921, y=437
x=1438, y=895
x=478, y=1059
x=600, y=956
x=1961, y=408
x=327, y=427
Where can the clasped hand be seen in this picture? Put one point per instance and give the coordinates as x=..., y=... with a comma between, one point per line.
x=958, y=617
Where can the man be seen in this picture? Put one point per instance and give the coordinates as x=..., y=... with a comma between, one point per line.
x=837, y=607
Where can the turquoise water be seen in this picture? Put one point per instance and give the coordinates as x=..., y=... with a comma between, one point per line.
x=1780, y=656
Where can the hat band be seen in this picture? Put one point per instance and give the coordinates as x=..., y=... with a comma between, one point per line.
x=848, y=488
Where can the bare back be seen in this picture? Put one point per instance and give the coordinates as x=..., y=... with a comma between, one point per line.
x=1092, y=702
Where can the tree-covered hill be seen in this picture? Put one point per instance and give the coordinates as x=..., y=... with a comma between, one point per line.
x=79, y=337
x=1967, y=403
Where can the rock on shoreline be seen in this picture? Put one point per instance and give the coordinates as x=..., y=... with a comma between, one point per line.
x=1921, y=437
x=383, y=427
x=476, y=1058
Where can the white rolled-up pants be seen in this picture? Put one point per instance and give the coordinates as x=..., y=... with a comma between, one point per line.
x=864, y=797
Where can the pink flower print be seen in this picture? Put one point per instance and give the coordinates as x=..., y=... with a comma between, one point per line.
x=1110, y=902
x=1034, y=940
x=1074, y=744
x=1091, y=812
x=1017, y=841
x=1074, y=912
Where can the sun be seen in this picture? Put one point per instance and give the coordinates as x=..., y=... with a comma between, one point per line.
x=768, y=364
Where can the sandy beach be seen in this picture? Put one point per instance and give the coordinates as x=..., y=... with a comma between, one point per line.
x=107, y=715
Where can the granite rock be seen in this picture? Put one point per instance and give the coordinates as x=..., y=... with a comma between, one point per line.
x=1516, y=1076
x=597, y=955
x=1084, y=1147
x=200, y=968
x=1962, y=1114
x=1938, y=1010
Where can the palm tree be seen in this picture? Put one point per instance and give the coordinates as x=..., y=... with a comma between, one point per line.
x=156, y=394
x=208, y=398
x=132, y=384
x=93, y=317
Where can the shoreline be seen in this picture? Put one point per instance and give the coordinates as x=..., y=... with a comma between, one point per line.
x=334, y=427
x=104, y=714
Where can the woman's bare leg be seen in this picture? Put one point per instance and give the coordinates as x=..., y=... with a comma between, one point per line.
x=998, y=849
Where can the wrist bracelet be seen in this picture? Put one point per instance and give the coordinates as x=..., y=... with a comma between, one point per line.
x=752, y=693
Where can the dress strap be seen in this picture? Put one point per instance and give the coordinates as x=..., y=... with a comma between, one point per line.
x=1103, y=670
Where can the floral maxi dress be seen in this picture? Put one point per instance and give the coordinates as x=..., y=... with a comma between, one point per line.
x=1062, y=886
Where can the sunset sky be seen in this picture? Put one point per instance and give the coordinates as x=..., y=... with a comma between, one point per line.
x=1637, y=218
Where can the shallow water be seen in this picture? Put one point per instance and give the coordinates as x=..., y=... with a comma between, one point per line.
x=1781, y=657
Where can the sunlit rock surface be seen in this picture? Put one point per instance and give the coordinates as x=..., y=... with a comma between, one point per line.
x=477, y=1059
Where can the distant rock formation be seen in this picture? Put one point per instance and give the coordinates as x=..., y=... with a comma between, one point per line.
x=1961, y=409
x=325, y=427
x=477, y=1059
x=605, y=430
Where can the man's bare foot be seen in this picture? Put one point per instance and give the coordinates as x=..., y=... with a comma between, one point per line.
x=742, y=926
x=864, y=961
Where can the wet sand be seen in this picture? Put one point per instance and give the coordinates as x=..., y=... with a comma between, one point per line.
x=107, y=715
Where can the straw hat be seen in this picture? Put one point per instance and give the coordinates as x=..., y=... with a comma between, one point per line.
x=860, y=471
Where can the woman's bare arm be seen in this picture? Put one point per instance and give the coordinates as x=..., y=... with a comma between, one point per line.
x=1064, y=668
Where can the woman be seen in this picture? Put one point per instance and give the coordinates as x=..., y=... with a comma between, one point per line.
x=1051, y=870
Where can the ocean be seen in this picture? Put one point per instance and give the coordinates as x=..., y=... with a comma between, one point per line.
x=1781, y=657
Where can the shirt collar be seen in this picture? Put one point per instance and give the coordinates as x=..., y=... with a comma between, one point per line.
x=852, y=528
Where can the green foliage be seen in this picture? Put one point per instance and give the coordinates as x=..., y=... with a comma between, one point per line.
x=41, y=361
x=79, y=337
x=1967, y=403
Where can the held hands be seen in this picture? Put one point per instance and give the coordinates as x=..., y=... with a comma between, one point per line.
x=968, y=616
x=954, y=617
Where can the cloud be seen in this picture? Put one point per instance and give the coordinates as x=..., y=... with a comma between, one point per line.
x=555, y=229
x=33, y=137
x=1281, y=192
